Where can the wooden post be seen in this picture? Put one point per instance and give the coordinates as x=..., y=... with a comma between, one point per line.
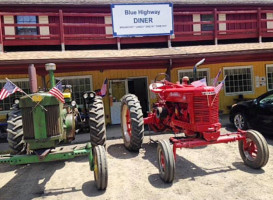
x=215, y=26
x=118, y=43
x=61, y=18
x=259, y=25
x=1, y=37
x=169, y=41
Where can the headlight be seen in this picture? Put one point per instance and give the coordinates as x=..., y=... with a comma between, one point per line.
x=16, y=101
x=92, y=95
x=73, y=103
x=85, y=95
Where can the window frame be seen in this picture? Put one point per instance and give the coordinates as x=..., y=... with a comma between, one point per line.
x=266, y=71
x=36, y=27
x=207, y=27
x=198, y=70
x=252, y=82
x=2, y=112
x=76, y=77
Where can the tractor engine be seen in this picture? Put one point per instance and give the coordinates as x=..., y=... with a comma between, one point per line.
x=45, y=121
x=185, y=108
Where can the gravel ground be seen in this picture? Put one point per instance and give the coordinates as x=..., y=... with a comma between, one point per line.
x=212, y=172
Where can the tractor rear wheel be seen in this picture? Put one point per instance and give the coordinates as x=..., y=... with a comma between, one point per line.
x=100, y=167
x=132, y=124
x=255, y=151
x=165, y=161
x=15, y=131
x=97, y=122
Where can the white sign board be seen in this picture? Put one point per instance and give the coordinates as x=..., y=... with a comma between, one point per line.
x=142, y=19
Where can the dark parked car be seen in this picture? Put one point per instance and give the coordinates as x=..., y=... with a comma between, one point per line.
x=255, y=114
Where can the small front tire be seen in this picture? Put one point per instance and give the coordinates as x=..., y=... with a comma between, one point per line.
x=254, y=151
x=166, y=162
x=100, y=167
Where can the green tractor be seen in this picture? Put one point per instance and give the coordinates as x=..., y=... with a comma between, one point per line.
x=39, y=122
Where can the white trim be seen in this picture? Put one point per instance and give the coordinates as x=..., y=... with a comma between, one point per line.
x=15, y=80
x=196, y=27
x=266, y=71
x=252, y=81
x=269, y=24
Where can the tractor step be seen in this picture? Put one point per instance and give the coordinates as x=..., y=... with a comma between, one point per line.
x=60, y=153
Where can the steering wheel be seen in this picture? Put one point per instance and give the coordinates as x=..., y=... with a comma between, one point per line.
x=166, y=77
x=155, y=87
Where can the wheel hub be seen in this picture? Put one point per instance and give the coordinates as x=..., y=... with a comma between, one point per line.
x=239, y=121
x=250, y=150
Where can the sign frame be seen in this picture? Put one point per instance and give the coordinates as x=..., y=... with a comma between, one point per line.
x=115, y=34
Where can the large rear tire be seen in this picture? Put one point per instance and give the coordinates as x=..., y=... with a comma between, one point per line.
x=100, y=168
x=166, y=163
x=97, y=122
x=15, y=131
x=255, y=152
x=132, y=124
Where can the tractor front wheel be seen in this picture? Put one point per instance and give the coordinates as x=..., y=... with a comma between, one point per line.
x=166, y=161
x=132, y=124
x=100, y=167
x=254, y=151
x=15, y=131
x=97, y=122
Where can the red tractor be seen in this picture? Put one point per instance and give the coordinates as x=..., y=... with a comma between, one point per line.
x=192, y=110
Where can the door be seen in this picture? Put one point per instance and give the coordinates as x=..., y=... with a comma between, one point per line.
x=117, y=89
x=264, y=114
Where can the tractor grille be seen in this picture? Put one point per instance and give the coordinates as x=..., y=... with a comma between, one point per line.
x=52, y=121
x=28, y=126
x=204, y=112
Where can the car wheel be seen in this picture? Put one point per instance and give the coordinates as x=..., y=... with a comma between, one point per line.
x=239, y=121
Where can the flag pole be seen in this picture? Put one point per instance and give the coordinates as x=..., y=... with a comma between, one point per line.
x=26, y=94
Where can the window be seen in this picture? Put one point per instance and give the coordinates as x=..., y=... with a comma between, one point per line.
x=207, y=27
x=79, y=84
x=6, y=104
x=27, y=30
x=269, y=74
x=238, y=80
x=201, y=73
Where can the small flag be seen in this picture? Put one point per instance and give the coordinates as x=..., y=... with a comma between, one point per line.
x=57, y=92
x=219, y=86
x=104, y=88
x=216, y=78
x=199, y=83
x=8, y=89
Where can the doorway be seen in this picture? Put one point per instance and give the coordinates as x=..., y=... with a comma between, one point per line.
x=118, y=88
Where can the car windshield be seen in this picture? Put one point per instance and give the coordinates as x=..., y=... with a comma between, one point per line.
x=267, y=100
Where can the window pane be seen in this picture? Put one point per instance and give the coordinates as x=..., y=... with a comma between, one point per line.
x=238, y=80
x=31, y=30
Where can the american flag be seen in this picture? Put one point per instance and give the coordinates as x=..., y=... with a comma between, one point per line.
x=104, y=88
x=199, y=83
x=57, y=92
x=216, y=78
x=219, y=86
x=8, y=89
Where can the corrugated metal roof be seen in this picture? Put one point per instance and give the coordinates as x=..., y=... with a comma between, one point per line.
x=134, y=54
x=101, y=2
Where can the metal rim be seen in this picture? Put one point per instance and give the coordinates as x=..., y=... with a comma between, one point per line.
x=239, y=121
x=162, y=165
x=126, y=123
x=96, y=168
x=250, y=149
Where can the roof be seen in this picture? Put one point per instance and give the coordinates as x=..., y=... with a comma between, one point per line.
x=101, y=2
x=134, y=54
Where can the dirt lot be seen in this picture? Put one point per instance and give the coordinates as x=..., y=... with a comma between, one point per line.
x=213, y=172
